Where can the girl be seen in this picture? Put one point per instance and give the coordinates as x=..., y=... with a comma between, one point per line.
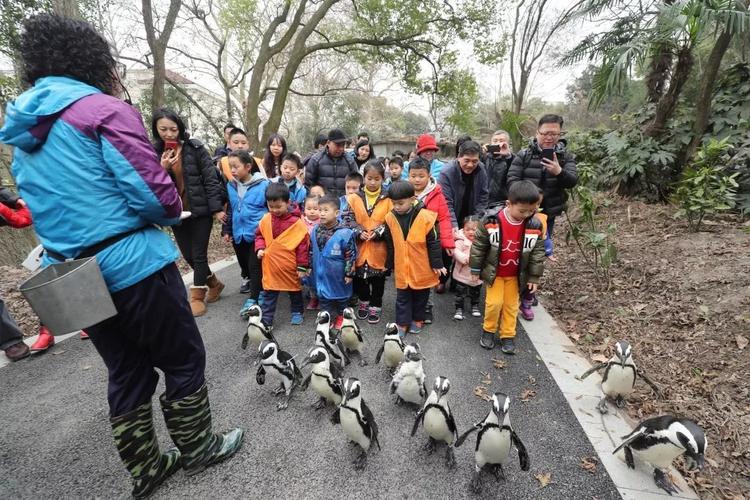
x=275, y=151
x=369, y=208
x=311, y=219
x=466, y=284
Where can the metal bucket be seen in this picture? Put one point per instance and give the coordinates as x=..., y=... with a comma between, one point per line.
x=69, y=296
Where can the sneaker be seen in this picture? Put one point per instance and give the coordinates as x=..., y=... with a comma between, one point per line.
x=401, y=330
x=475, y=311
x=45, y=340
x=245, y=286
x=17, y=351
x=487, y=341
x=508, y=346
x=245, y=311
x=428, y=317
x=84, y=335
x=416, y=327
x=363, y=311
x=459, y=314
x=526, y=312
x=338, y=322
x=296, y=318
x=374, y=316
x=313, y=304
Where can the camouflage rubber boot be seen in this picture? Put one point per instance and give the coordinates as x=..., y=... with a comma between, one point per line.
x=139, y=451
x=189, y=423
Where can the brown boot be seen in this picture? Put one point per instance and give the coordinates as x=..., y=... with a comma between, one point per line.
x=198, y=300
x=214, y=289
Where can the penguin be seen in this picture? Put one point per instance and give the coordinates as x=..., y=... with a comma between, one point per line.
x=658, y=441
x=351, y=335
x=323, y=381
x=494, y=442
x=619, y=377
x=256, y=332
x=437, y=420
x=392, y=348
x=356, y=420
x=409, y=381
x=326, y=337
x=280, y=364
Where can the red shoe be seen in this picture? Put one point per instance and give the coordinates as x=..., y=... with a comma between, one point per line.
x=313, y=305
x=45, y=340
x=84, y=335
x=339, y=321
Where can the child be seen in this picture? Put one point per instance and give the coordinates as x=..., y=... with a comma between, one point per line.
x=282, y=244
x=497, y=256
x=318, y=191
x=311, y=219
x=353, y=184
x=237, y=141
x=290, y=168
x=528, y=299
x=395, y=171
x=414, y=255
x=247, y=205
x=430, y=194
x=333, y=254
x=369, y=208
x=466, y=284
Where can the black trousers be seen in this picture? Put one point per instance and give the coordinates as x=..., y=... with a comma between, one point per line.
x=370, y=289
x=411, y=305
x=250, y=266
x=462, y=290
x=153, y=328
x=10, y=334
x=192, y=237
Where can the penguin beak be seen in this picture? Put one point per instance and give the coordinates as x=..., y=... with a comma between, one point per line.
x=696, y=463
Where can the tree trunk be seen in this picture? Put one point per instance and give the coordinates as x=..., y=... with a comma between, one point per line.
x=658, y=73
x=668, y=102
x=519, y=93
x=158, y=46
x=157, y=85
x=66, y=8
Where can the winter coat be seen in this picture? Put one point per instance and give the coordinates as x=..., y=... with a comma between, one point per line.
x=497, y=174
x=245, y=214
x=297, y=192
x=432, y=198
x=413, y=248
x=452, y=184
x=485, y=251
x=329, y=172
x=461, y=254
x=278, y=226
x=528, y=165
x=106, y=180
x=10, y=214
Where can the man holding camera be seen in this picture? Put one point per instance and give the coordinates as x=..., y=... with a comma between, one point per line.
x=498, y=162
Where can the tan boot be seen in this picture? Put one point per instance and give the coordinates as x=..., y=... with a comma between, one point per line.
x=198, y=300
x=214, y=288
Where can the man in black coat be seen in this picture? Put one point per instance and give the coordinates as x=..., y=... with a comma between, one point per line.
x=497, y=162
x=464, y=184
x=329, y=167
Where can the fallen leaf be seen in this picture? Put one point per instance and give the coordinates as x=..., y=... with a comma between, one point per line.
x=532, y=380
x=544, y=479
x=527, y=395
x=599, y=358
x=58, y=352
x=487, y=380
x=87, y=367
x=499, y=363
x=741, y=342
x=589, y=464
x=574, y=336
x=480, y=391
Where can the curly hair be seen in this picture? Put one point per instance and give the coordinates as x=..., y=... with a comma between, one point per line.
x=53, y=45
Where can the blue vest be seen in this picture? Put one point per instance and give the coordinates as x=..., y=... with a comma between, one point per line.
x=330, y=282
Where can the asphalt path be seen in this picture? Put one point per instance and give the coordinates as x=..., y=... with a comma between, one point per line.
x=55, y=440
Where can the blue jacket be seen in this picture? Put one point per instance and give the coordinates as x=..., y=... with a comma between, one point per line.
x=84, y=165
x=331, y=260
x=247, y=212
x=297, y=193
x=435, y=167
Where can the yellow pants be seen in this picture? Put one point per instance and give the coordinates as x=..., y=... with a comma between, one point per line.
x=502, y=300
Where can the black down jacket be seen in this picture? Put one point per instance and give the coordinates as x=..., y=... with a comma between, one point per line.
x=527, y=165
x=329, y=172
x=497, y=173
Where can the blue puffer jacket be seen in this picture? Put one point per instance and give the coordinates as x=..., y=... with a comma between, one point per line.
x=248, y=211
x=84, y=165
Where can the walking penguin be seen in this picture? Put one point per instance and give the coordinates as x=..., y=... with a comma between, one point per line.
x=437, y=420
x=323, y=381
x=392, y=349
x=351, y=335
x=658, y=441
x=279, y=364
x=356, y=420
x=256, y=332
x=618, y=379
x=327, y=338
x=494, y=442
x=409, y=381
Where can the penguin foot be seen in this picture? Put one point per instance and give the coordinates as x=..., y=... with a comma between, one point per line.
x=499, y=473
x=282, y=405
x=429, y=448
x=602, y=406
x=322, y=403
x=450, y=458
x=620, y=402
x=399, y=400
x=360, y=462
x=279, y=391
x=664, y=482
x=476, y=482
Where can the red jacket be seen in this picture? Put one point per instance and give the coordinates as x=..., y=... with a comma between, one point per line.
x=433, y=199
x=15, y=218
x=281, y=224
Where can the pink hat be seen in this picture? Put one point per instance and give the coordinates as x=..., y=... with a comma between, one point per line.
x=426, y=142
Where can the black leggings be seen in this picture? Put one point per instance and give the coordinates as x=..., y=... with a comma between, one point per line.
x=250, y=266
x=370, y=289
x=192, y=237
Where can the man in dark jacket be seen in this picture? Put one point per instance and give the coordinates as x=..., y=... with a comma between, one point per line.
x=224, y=150
x=552, y=176
x=464, y=184
x=329, y=167
x=498, y=161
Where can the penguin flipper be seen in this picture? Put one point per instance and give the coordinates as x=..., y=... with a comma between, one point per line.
x=466, y=434
x=340, y=347
x=245, y=340
x=306, y=382
x=379, y=355
x=370, y=420
x=591, y=370
x=417, y=419
x=523, y=455
x=650, y=382
x=336, y=417
x=335, y=371
x=260, y=376
x=641, y=431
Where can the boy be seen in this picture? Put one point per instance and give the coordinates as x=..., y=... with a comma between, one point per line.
x=528, y=298
x=353, y=184
x=282, y=244
x=333, y=254
x=499, y=258
x=395, y=171
x=414, y=254
x=290, y=168
x=237, y=141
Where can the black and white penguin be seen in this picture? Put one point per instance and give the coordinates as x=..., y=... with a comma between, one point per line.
x=494, y=442
x=409, y=380
x=392, y=349
x=437, y=420
x=351, y=335
x=322, y=380
x=256, y=331
x=619, y=377
x=326, y=337
x=279, y=364
x=356, y=420
x=658, y=441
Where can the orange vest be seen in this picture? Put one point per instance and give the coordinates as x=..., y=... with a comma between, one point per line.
x=543, y=219
x=373, y=252
x=280, y=258
x=411, y=259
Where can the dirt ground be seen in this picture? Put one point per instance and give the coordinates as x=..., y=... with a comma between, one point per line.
x=683, y=301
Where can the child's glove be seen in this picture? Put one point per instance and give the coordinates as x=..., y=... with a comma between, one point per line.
x=16, y=218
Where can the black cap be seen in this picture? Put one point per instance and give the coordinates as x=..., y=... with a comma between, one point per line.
x=337, y=135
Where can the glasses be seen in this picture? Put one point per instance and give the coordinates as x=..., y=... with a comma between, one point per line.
x=549, y=134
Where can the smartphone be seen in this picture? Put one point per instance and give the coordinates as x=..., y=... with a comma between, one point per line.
x=171, y=145
x=549, y=154
x=493, y=148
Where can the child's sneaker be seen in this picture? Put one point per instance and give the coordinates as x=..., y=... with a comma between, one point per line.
x=296, y=318
x=526, y=312
x=416, y=327
x=313, y=304
x=245, y=286
x=508, y=346
x=488, y=340
x=245, y=311
x=475, y=311
x=401, y=330
x=428, y=315
x=363, y=311
x=374, y=316
x=338, y=322
x=459, y=314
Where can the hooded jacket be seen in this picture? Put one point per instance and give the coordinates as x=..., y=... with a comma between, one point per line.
x=84, y=165
x=246, y=211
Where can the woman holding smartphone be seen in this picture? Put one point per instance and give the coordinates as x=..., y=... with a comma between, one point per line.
x=190, y=167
